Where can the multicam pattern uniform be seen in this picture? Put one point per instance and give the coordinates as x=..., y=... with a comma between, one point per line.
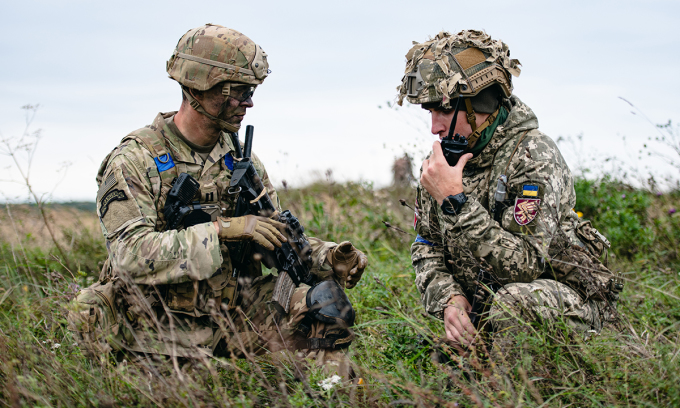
x=554, y=246
x=189, y=272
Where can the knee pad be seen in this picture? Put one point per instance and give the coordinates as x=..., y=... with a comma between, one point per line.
x=328, y=303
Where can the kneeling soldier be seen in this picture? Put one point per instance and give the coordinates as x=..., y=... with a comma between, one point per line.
x=494, y=208
x=198, y=288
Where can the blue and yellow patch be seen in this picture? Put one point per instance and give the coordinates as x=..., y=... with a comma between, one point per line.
x=530, y=190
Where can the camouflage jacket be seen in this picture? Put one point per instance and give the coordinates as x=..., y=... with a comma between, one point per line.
x=538, y=223
x=134, y=181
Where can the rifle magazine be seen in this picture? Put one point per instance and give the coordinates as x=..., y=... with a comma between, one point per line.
x=283, y=291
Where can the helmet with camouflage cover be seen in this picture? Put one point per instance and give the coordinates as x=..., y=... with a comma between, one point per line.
x=452, y=66
x=469, y=66
x=213, y=54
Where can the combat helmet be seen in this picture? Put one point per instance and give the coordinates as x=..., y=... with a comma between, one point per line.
x=469, y=65
x=211, y=54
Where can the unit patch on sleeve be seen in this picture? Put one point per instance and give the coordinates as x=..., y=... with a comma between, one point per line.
x=526, y=210
x=111, y=196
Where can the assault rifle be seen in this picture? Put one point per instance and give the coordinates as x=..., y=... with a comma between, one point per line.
x=294, y=259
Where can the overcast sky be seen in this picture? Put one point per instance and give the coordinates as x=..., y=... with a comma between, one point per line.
x=98, y=71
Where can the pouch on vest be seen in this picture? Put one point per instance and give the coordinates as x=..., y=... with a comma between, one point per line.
x=192, y=297
x=182, y=297
x=594, y=241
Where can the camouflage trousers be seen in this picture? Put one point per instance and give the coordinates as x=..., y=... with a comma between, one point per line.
x=515, y=306
x=545, y=300
x=256, y=328
x=250, y=328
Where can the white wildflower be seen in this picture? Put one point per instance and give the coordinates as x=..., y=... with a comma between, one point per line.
x=328, y=383
x=56, y=346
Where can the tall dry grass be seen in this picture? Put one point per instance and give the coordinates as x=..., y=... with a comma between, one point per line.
x=399, y=350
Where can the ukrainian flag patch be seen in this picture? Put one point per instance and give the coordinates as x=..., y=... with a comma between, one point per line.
x=530, y=190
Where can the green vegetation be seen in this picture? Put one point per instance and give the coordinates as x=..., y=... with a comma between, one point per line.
x=640, y=366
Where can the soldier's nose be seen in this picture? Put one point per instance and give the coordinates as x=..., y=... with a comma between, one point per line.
x=439, y=125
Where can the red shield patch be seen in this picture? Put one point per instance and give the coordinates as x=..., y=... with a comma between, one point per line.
x=526, y=210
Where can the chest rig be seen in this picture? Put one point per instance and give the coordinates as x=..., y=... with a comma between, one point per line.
x=190, y=298
x=166, y=170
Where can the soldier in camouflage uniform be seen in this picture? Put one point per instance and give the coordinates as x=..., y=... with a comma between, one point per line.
x=501, y=220
x=177, y=292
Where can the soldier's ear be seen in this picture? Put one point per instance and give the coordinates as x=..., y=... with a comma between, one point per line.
x=198, y=95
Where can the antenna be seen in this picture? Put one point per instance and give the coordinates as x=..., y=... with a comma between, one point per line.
x=248, y=146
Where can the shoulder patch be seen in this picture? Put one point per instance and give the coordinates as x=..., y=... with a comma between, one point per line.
x=108, y=184
x=530, y=190
x=108, y=198
x=526, y=209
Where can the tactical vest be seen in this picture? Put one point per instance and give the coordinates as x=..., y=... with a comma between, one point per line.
x=191, y=297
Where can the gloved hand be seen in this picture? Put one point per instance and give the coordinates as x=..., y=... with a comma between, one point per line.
x=262, y=230
x=348, y=263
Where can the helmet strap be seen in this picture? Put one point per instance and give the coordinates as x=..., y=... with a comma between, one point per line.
x=226, y=89
x=472, y=120
x=224, y=125
x=478, y=132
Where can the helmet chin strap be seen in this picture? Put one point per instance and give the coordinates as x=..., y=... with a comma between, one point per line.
x=472, y=120
x=224, y=125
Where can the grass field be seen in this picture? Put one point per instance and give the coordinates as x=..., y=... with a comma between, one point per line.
x=636, y=365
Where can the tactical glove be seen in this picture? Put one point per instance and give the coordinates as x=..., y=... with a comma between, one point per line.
x=261, y=230
x=348, y=263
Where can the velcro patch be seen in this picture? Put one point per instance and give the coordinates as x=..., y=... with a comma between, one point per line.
x=108, y=185
x=469, y=58
x=526, y=209
x=111, y=196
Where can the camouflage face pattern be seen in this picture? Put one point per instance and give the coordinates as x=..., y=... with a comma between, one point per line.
x=208, y=55
x=451, y=250
x=450, y=66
